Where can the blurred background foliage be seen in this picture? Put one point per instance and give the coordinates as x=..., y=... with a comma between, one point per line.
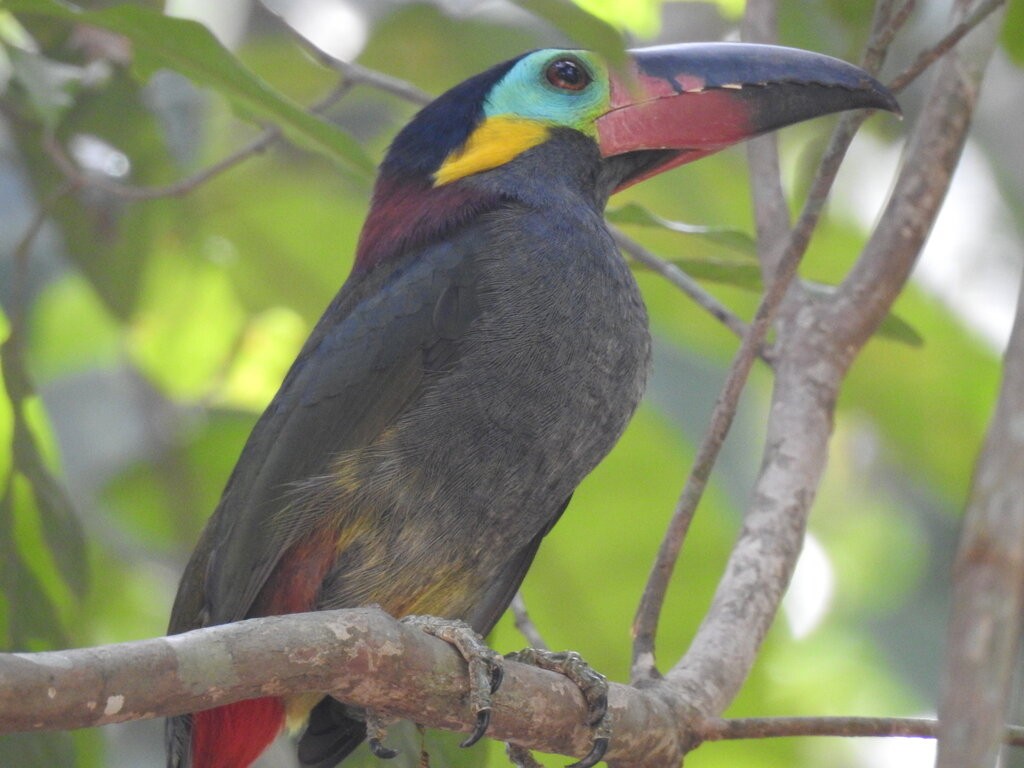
x=147, y=335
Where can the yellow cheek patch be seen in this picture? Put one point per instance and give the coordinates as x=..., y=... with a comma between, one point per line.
x=494, y=142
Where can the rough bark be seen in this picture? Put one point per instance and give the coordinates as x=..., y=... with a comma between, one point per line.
x=362, y=656
x=988, y=583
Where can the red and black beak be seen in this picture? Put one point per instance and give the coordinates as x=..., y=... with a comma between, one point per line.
x=682, y=102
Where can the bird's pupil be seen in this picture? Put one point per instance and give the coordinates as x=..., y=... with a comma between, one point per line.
x=568, y=75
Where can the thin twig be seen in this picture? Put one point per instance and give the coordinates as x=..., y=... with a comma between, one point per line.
x=356, y=74
x=771, y=210
x=179, y=188
x=645, y=624
x=884, y=28
x=680, y=280
x=865, y=296
x=715, y=729
x=525, y=624
x=266, y=139
x=928, y=57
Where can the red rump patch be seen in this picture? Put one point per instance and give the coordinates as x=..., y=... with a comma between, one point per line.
x=295, y=582
x=233, y=736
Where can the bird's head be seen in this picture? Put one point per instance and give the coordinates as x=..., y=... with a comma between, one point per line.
x=558, y=121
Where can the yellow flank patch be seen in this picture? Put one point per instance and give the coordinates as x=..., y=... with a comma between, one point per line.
x=354, y=527
x=297, y=709
x=494, y=142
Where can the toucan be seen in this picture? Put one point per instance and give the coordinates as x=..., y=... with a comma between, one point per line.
x=487, y=350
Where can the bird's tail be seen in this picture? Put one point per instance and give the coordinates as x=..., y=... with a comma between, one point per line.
x=232, y=736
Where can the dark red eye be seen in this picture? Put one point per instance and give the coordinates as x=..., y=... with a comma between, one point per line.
x=568, y=74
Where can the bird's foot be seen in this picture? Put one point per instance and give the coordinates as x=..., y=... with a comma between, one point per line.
x=592, y=684
x=485, y=665
x=376, y=732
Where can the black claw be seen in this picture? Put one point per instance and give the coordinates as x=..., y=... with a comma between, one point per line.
x=483, y=719
x=594, y=756
x=380, y=751
x=497, y=675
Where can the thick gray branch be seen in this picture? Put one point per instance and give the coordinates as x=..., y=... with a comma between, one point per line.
x=988, y=595
x=817, y=343
x=362, y=656
x=762, y=562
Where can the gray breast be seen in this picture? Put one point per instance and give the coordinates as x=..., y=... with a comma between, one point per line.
x=547, y=377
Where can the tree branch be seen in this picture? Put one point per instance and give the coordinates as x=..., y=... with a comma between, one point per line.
x=775, y=727
x=366, y=658
x=362, y=656
x=988, y=582
x=261, y=143
x=813, y=354
x=771, y=211
x=928, y=57
x=355, y=74
x=933, y=152
x=763, y=558
x=680, y=280
x=887, y=22
x=646, y=622
x=739, y=640
x=360, y=75
x=525, y=624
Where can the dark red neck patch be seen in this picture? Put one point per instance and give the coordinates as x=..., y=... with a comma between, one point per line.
x=410, y=214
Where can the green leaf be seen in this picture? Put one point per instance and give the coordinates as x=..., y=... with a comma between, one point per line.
x=14, y=35
x=895, y=328
x=30, y=620
x=745, y=275
x=190, y=48
x=640, y=16
x=71, y=330
x=580, y=26
x=37, y=749
x=6, y=411
x=1013, y=31
x=188, y=324
x=637, y=215
x=732, y=9
x=58, y=522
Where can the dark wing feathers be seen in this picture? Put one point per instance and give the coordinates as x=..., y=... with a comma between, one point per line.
x=362, y=365
x=366, y=361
